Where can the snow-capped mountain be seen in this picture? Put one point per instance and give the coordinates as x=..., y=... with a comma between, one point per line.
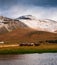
x=27, y=21
x=37, y=24
x=7, y=24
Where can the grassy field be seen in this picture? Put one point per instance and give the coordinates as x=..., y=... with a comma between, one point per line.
x=43, y=48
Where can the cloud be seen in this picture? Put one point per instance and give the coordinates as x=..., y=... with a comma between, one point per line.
x=14, y=11
x=33, y=2
x=39, y=12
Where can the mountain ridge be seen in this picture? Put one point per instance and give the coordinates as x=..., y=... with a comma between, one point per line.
x=9, y=24
x=29, y=21
x=41, y=25
x=16, y=30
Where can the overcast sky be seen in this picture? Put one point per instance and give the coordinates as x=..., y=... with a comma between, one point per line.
x=39, y=8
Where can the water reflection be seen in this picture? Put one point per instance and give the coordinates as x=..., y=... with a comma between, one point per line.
x=11, y=57
x=29, y=59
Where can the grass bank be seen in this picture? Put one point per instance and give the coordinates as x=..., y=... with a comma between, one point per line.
x=43, y=48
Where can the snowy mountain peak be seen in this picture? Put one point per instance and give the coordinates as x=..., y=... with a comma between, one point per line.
x=37, y=24
x=28, y=21
x=49, y=20
x=27, y=17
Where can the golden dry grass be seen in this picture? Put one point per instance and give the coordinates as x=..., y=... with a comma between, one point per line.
x=29, y=49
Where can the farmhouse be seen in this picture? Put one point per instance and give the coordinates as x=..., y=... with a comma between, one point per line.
x=1, y=42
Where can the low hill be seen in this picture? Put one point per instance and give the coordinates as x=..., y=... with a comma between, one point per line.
x=27, y=35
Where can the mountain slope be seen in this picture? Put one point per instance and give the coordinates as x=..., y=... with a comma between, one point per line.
x=27, y=29
x=7, y=24
x=41, y=25
x=27, y=21
x=27, y=35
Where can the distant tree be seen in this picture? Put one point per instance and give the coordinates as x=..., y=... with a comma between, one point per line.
x=51, y=41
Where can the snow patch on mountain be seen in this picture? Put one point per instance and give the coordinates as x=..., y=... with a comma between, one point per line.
x=42, y=25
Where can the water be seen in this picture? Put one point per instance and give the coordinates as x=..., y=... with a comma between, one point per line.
x=29, y=59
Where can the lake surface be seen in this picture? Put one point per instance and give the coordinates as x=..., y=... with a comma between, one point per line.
x=29, y=59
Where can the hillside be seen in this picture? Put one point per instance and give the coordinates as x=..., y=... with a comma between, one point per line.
x=8, y=25
x=27, y=35
x=27, y=21
x=39, y=24
x=27, y=29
